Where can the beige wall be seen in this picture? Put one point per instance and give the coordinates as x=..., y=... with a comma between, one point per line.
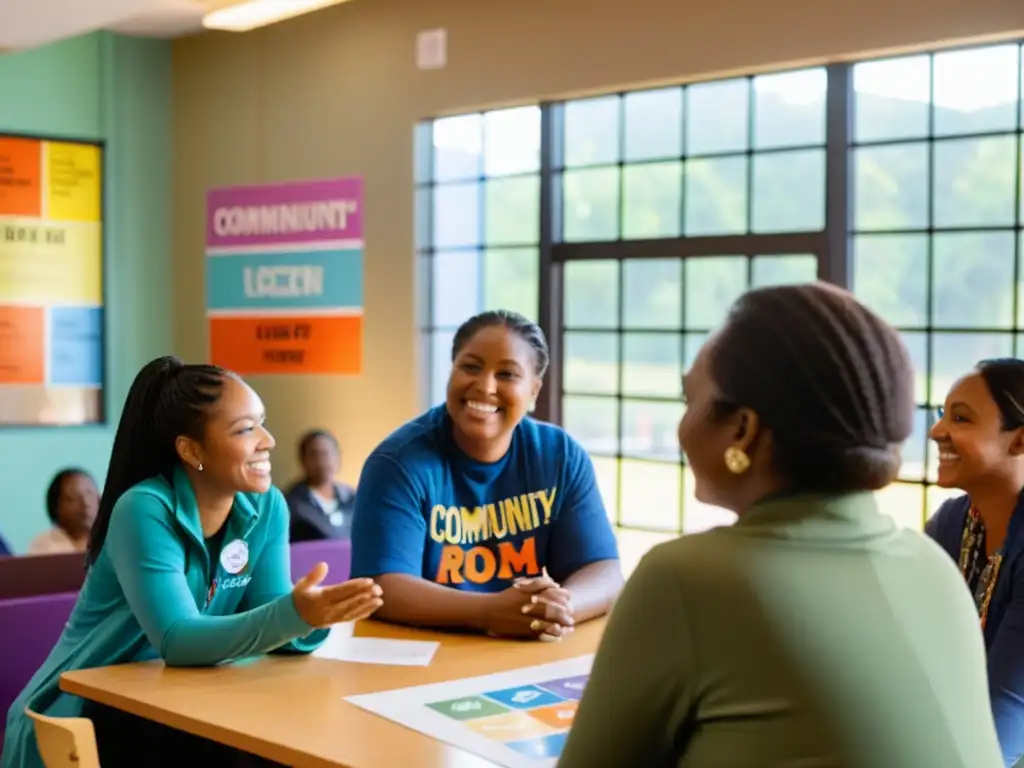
x=337, y=93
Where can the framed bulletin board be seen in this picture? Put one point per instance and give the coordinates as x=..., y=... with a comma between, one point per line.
x=51, y=282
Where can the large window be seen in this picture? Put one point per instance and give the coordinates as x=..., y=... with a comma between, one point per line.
x=631, y=328
x=627, y=224
x=936, y=214
x=721, y=158
x=478, y=223
x=734, y=168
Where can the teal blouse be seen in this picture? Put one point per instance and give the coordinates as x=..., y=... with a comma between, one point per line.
x=157, y=591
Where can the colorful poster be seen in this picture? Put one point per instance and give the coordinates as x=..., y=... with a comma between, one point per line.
x=516, y=719
x=284, y=277
x=51, y=281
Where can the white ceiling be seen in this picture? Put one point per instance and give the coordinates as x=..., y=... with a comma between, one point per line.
x=28, y=23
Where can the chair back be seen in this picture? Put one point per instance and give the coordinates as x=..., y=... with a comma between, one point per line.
x=65, y=742
x=337, y=553
x=30, y=575
x=39, y=621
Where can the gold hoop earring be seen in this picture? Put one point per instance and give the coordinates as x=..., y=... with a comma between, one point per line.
x=736, y=460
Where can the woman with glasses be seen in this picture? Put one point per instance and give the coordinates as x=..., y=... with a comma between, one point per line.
x=980, y=439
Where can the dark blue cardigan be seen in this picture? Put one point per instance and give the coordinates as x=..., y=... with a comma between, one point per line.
x=1004, y=628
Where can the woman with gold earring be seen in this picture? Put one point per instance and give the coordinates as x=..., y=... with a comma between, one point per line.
x=813, y=631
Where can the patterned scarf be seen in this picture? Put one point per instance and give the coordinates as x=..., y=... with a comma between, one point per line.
x=980, y=572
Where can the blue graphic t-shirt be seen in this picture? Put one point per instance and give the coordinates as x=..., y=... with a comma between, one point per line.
x=425, y=508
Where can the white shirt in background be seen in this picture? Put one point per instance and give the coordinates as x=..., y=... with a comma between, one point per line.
x=53, y=542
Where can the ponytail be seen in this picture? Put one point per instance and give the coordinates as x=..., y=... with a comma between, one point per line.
x=167, y=399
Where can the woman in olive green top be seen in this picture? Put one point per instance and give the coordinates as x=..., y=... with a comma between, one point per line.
x=813, y=632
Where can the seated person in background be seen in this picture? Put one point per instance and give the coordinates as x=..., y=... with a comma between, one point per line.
x=813, y=632
x=980, y=438
x=188, y=562
x=476, y=516
x=71, y=503
x=320, y=506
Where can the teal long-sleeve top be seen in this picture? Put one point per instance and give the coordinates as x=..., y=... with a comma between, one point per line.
x=160, y=590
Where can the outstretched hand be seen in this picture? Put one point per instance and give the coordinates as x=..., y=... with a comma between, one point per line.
x=321, y=607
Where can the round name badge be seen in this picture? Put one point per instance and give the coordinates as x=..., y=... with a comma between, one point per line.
x=235, y=556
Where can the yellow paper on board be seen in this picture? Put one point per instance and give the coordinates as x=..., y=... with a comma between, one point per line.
x=72, y=176
x=50, y=262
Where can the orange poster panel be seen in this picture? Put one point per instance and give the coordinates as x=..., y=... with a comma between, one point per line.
x=296, y=345
x=21, y=345
x=20, y=172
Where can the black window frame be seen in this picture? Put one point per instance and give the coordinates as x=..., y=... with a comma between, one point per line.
x=833, y=244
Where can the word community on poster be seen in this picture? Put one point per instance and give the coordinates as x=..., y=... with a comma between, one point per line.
x=284, y=277
x=517, y=719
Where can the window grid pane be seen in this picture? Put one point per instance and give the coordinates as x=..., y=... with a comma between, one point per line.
x=728, y=158
x=477, y=226
x=717, y=158
x=632, y=326
x=936, y=227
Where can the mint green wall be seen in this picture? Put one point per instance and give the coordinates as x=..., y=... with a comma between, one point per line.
x=117, y=89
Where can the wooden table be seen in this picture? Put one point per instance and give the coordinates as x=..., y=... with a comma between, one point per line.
x=291, y=709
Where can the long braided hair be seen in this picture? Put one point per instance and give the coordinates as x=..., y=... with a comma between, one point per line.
x=168, y=399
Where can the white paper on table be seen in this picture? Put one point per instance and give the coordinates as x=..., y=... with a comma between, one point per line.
x=377, y=650
x=417, y=709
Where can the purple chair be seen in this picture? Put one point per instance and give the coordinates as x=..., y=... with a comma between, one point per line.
x=31, y=575
x=337, y=553
x=32, y=626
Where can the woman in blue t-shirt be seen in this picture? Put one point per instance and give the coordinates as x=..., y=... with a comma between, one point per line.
x=476, y=516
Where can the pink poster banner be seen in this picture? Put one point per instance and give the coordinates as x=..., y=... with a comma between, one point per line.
x=301, y=212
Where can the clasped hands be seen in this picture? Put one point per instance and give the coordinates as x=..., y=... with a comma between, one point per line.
x=535, y=607
x=532, y=607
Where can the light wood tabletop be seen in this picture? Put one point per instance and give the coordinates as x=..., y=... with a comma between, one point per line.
x=291, y=709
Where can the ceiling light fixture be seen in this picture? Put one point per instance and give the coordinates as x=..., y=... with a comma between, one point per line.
x=260, y=13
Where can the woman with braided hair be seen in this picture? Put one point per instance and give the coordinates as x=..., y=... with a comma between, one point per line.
x=813, y=631
x=188, y=561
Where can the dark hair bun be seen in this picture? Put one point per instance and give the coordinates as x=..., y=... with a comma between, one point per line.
x=830, y=379
x=859, y=468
